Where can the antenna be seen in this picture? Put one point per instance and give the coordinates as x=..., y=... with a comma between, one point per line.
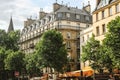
x=83, y=4
x=41, y=9
x=62, y=2
x=68, y=3
x=31, y=17
x=88, y=2
x=56, y=1
x=36, y=17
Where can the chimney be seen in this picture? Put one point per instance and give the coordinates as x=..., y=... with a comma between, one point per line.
x=97, y=2
x=28, y=22
x=88, y=7
x=56, y=6
x=41, y=13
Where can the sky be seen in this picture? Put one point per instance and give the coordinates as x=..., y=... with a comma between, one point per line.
x=20, y=10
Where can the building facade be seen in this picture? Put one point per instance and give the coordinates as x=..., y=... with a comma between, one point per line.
x=106, y=10
x=85, y=35
x=67, y=20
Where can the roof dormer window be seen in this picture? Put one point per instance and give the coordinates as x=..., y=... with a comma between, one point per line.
x=77, y=16
x=67, y=15
x=87, y=18
x=59, y=15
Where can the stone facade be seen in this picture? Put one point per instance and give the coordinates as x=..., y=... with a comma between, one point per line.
x=106, y=10
x=85, y=35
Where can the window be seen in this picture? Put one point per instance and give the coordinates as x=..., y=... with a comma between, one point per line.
x=68, y=45
x=103, y=28
x=87, y=25
x=78, y=35
x=43, y=22
x=49, y=18
x=39, y=23
x=117, y=8
x=68, y=35
x=110, y=11
x=77, y=16
x=68, y=22
x=87, y=18
x=59, y=15
x=97, y=17
x=78, y=45
x=67, y=15
x=88, y=37
x=83, y=39
x=78, y=24
x=97, y=31
x=103, y=16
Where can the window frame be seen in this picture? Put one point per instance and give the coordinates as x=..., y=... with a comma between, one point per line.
x=97, y=31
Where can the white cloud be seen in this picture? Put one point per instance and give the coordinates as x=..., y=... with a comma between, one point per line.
x=20, y=10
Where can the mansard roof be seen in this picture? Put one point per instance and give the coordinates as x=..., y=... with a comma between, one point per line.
x=102, y=3
x=72, y=10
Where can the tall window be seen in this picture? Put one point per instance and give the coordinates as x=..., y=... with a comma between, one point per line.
x=67, y=15
x=83, y=39
x=110, y=11
x=97, y=17
x=117, y=8
x=88, y=37
x=103, y=14
x=78, y=45
x=97, y=31
x=87, y=18
x=103, y=28
x=68, y=45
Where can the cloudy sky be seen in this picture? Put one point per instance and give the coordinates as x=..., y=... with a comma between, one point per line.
x=23, y=9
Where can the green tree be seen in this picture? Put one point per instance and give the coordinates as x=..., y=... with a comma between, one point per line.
x=92, y=53
x=32, y=68
x=3, y=38
x=105, y=58
x=9, y=40
x=14, y=61
x=112, y=41
x=12, y=40
x=51, y=50
x=2, y=57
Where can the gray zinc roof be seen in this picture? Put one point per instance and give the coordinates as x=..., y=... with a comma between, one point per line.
x=72, y=10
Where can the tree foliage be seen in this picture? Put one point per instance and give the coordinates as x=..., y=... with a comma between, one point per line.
x=9, y=40
x=91, y=53
x=97, y=54
x=112, y=41
x=32, y=67
x=14, y=61
x=51, y=50
x=3, y=38
x=12, y=42
x=2, y=58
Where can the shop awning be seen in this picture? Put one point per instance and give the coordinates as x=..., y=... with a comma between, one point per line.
x=83, y=73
